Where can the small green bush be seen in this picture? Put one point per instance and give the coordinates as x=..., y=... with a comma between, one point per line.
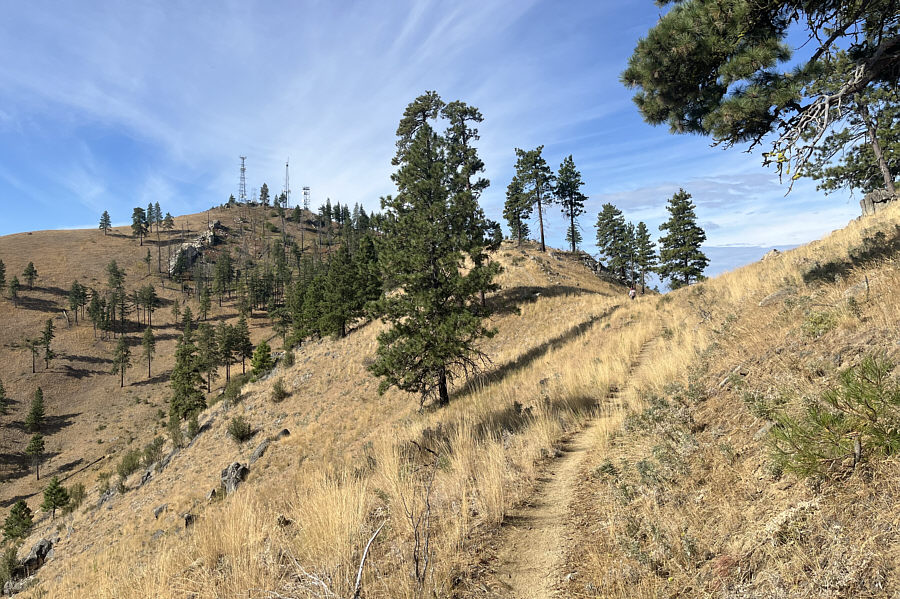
x=193, y=426
x=279, y=393
x=232, y=393
x=153, y=452
x=239, y=429
x=288, y=359
x=77, y=494
x=103, y=481
x=129, y=463
x=858, y=419
x=8, y=563
x=818, y=323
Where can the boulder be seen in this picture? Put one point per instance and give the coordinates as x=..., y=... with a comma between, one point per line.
x=37, y=556
x=876, y=201
x=146, y=476
x=159, y=510
x=106, y=496
x=211, y=496
x=259, y=451
x=234, y=475
x=283, y=433
x=189, y=519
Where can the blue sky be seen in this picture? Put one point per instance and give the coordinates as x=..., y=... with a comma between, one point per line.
x=110, y=105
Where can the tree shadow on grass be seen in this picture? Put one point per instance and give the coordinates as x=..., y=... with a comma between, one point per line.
x=37, y=304
x=20, y=466
x=80, y=373
x=159, y=378
x=507, y=301
x=877, y=247
x=513, y=366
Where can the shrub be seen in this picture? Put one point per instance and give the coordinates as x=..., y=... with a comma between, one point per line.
x=818, y=323
x=103, y=481
x=193, y=426
x=76, y=497
x=278, y=391
x=129, y=463
x=19, y=521
x=262, y=359
x=8, y=563
x=153, y=451
x=239, y=429
x=288, y=359
x=859, y=418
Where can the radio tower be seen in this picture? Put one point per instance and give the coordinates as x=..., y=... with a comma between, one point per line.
x=242, y=189
x=287, y=184
x=306, y=198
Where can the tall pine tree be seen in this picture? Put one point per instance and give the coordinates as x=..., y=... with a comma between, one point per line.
x=611, y=240
x=646, y=253
x=680, y=258
x=433, y=316
x=570, y=198
x=105, y=222
x=537, y=182
x=517, y=210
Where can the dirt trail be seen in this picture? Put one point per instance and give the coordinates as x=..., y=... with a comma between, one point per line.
x=531, y=558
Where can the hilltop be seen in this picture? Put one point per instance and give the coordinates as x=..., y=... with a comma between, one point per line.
x=612, y=448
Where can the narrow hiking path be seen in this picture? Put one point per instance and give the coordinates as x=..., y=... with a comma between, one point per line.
x=532, y=550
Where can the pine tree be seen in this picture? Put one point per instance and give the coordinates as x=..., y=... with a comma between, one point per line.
x=46, y=338
x=35, y=417
x=226, y=342
x=19, y=521
x=646, y=253
x=611, y=240
x=207, y=353
x=148, y=342
x=630, y=253
x=35, y=450
x=187, y=319
x=204, y=303
x=139, y=223
x=168, y=222
x=434, y=318
x=55, y=496
x=313, y=308
x=718, y=69
x=537, y=181
x=30, y=274
x=14, y=287
x=680, y=258
x=105, y=222
x=242, y=344
x=264, y=195
x=340, y=305
x=157, y=216
x=186, y=380
x=262, y=359
x=570, y=198
x=121, y=359
x=76, y=296
x=368, y=278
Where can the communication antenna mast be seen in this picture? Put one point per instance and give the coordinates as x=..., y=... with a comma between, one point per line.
x=306, y=198
x=287, y=184
x=242, y=189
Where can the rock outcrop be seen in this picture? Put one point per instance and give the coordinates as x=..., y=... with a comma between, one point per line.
x=185, y=256
x=876, y=201
x=234, y=475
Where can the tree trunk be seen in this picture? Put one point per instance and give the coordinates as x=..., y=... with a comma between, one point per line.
x=876, y=148
x=541, y=222
x=148, y=368
x=443, y=395
x=122, y=380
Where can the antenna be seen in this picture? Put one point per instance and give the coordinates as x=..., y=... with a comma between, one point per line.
x=306, y=198
x=242, y=189
x=287, y=184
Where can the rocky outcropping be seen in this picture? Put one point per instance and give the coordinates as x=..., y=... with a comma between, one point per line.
x=185, y=256
x=234, y=475
x=876, y=201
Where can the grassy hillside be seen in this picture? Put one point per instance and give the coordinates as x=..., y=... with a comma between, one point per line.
x=671, y=401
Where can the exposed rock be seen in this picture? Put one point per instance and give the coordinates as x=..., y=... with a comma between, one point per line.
x=762, y=432
x=189, y=519
x=859, y=289
x=260, y=450
x=146, y=477
x=165, y=461
x=283, y=433
x=211, y=496
x=234, y=475
x=159, y=510
x=876, y=201
x=189, y=251
x=773, y=253
x=37, y=556
x=16, y=586
x=778, y=296
x=106, y=496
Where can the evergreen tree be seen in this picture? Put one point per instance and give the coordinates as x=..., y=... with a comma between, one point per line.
x=168, y=222
x=148, y=342
x=139, y=223
x=611, y=240
x=121, y=359
x=368, y=278
x=570, y=198
x=55, y=496
x=35, y=450
x=226, y=341
x=157, y=216
x=537, y=181
x=46, y=338
x=340, y=299
x=680, y=258
x=77, y=298
x=14, y=291
x=30, y=274
x=313, y=308
x=147, y=261
x=630, y=248
x=187, y=379
x=242, y=344
x=105, y=222
x=264, y=195
x=646, y=253
x=18, y=523
x=115, y=277
x=207, y=353
x=262, y=359
x=716, y=68
x=35, y=417
x=434, y=320
x=187, y=319
x=204, y=303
